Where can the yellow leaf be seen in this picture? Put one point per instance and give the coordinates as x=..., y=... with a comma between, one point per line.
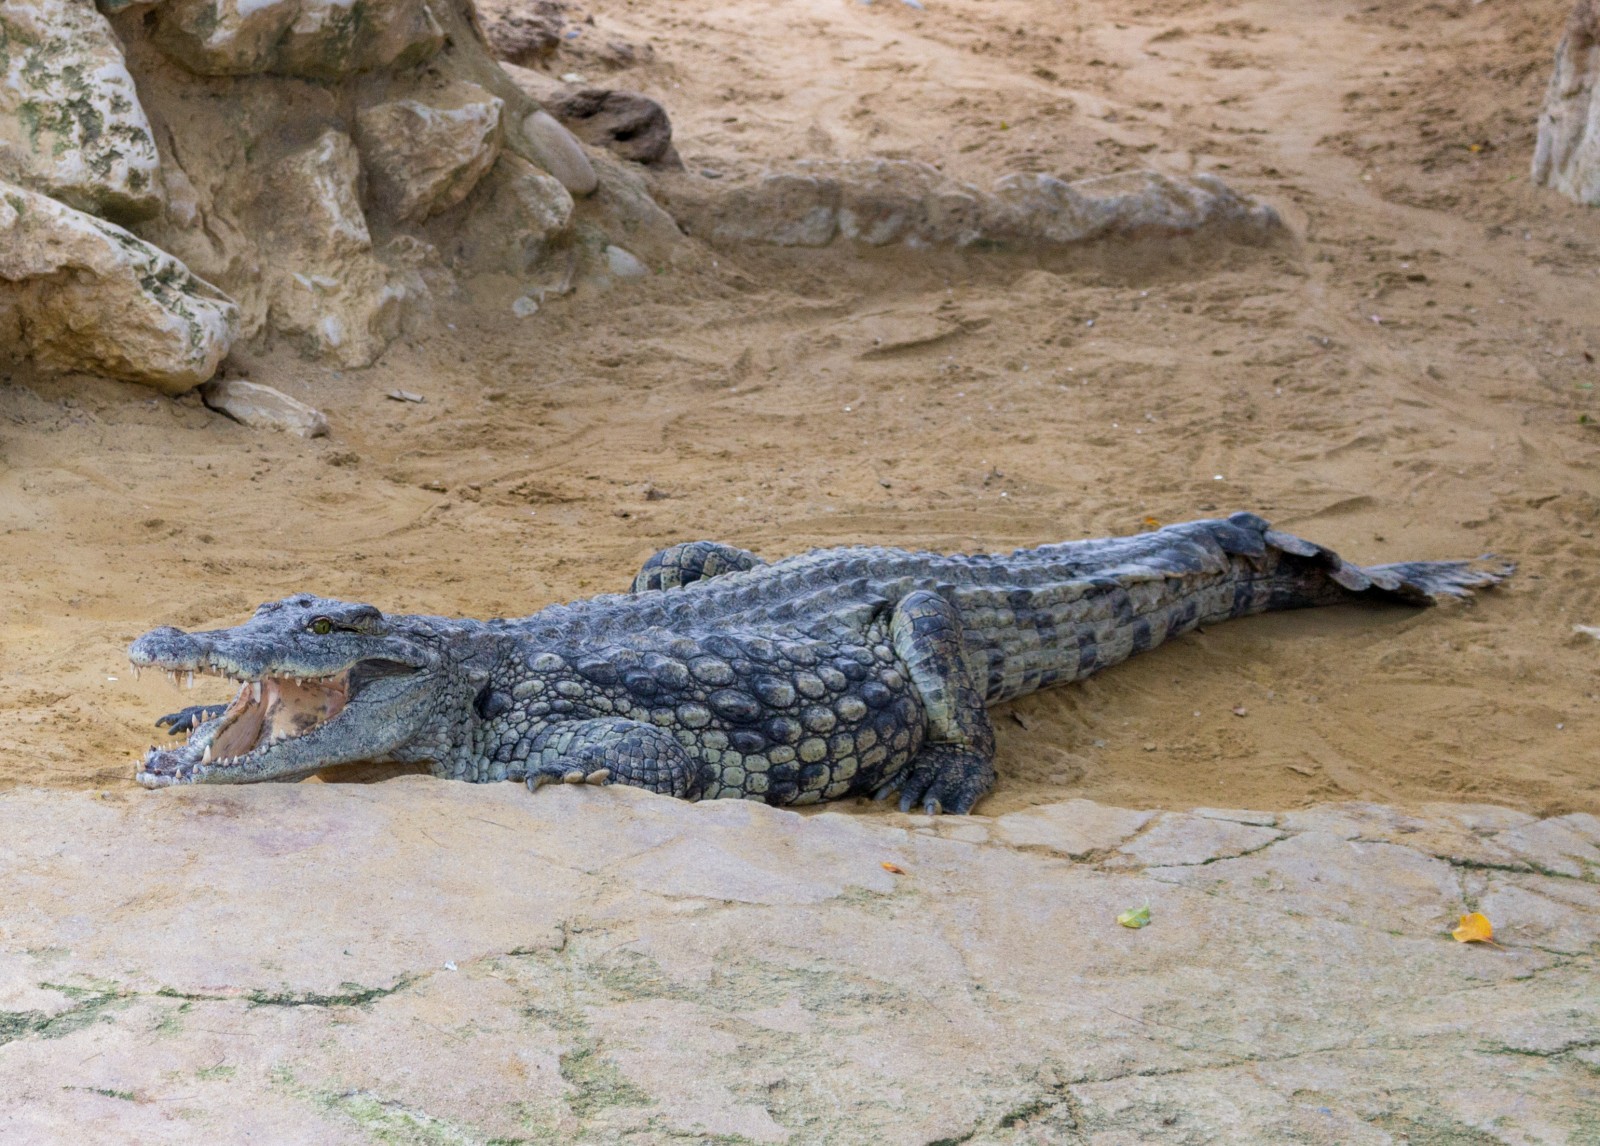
x=1135, y=917
x=1150, y=523
x=1475, y=928
x=898, y=870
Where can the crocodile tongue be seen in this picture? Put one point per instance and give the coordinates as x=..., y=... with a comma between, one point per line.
x=275, y=708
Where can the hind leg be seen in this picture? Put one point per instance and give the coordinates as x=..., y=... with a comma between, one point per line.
x=680, y=565
x=955, y=767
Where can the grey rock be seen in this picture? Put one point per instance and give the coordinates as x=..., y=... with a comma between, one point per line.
x=1074, y=828
x=71, y=124
x=1566, y=156
x=80, y=294
x=624, y=265
x=273, y=962
x=1179, y=838
x=878, y=202
x=263, y=407
x=558, y=151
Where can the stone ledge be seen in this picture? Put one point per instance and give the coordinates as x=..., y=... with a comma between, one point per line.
x=454, y=962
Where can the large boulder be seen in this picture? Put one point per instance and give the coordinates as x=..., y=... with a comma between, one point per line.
x=319, y=39
x=424, y=155
x=78, y=293
x=1567, y=155
x=70, y=120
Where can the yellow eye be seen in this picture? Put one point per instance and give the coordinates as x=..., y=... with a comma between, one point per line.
x=322, y=626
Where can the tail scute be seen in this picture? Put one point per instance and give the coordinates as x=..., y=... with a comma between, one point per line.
x=1414, y=582
x=1429, y=582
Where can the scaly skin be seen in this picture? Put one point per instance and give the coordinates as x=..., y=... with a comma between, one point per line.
x=840, y=672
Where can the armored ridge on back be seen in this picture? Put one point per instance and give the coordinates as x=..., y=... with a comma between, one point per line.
x=859, y=671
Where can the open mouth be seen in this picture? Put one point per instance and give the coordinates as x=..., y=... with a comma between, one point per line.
x=264, y=713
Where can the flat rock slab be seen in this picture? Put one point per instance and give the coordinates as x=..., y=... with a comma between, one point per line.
x=429, y=961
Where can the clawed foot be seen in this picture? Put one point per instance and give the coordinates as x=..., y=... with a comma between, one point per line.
x=566, y=772
x=942, y=778
x=188, y=719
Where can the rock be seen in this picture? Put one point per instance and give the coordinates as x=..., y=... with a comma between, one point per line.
x=517, y=215
x=624, y=265
x=1178, y=839
x=1567, y=154
x=262, y=407
x=784, y=209
x=423, y=960
x=558, y=151
x=80, y=294
x=525, y=35
x=424, y=157
x=71, y=124
x=885, y=201
x=327, y=289
x=319, y=39
x=877, y=202
x=1029, y=209
x=633, y=126
x=1075, y=828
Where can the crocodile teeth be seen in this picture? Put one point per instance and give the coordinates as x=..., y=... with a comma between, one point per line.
x=255, y=692
x=135, y=672
x=206, y=759
x=188, y=679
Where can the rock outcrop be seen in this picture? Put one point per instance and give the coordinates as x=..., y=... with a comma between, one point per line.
x=425, y=961
x=1567, y=155
x=70, y=121
x=877, y=202
x=80, y=293
x=324, y=166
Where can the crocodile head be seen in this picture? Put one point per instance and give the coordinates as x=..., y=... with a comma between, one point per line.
x=320, y=682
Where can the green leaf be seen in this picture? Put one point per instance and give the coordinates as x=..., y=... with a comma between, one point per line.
x=1135, y=917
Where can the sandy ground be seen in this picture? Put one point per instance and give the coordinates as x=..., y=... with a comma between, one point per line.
x=1410, y=381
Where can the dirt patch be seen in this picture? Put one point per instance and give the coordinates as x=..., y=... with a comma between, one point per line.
x=1414, y=380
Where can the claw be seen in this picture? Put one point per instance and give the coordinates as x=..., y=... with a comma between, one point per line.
x=572, y=777
x=599, y=776
x=537, y=780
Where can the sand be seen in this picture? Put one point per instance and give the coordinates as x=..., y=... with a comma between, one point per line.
x=1413, y=378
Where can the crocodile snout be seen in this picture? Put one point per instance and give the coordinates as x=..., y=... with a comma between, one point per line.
x=170, y=648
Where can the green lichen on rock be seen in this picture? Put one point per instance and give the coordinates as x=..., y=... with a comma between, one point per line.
x=70, y=120
x=126, y=310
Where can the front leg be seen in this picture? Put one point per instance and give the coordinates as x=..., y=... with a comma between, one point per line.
x=955, y=767
x=611, y=750
x=679, y=565
x=188, y=719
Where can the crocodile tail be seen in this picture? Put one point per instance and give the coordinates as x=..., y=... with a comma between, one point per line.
x=1412, y=582
x=1121, y=596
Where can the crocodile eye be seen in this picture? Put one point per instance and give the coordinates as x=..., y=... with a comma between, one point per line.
x=322, y=626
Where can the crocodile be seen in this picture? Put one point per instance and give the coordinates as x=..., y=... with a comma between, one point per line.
x=841, y=672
